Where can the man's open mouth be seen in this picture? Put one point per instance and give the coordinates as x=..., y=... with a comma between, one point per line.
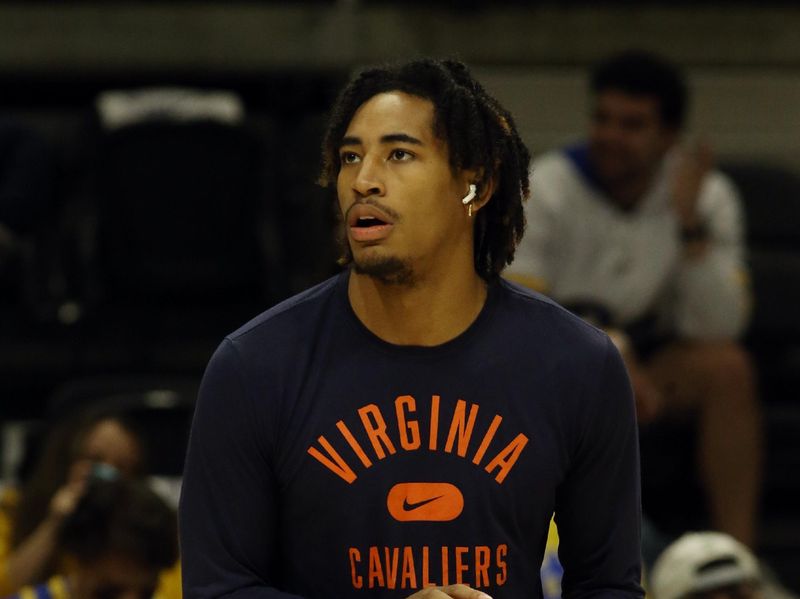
x=368, y=224
x=364, y=222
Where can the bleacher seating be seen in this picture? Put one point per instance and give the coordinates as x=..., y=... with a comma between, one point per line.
x=169, y=234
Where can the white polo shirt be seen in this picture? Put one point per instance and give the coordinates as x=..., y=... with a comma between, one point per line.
x=585, y=249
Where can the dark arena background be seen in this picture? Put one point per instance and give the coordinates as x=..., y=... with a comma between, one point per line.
x=137, y=243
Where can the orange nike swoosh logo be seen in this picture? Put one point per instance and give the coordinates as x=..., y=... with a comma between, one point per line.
x=439, y=502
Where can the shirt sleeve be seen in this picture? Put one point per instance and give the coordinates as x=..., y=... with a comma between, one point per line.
x=712, y=294
x=598, y=505
x=228, y=507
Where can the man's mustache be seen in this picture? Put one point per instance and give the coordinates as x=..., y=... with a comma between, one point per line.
x=373, y=202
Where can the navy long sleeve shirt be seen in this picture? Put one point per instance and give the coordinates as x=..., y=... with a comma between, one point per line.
x=326, y=463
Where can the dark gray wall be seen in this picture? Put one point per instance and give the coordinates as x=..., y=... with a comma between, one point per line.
x=743, y=62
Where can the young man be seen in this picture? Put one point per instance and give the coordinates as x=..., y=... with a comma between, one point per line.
x=643, y=238
x=408, y=427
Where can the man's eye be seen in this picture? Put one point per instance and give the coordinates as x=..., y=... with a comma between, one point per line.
x=400, y=155
x=349, y=157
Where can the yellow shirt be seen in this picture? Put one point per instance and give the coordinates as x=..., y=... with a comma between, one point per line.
x=9, y=498
x=55, y=588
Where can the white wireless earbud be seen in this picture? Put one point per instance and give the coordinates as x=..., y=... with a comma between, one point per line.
x=473, y=190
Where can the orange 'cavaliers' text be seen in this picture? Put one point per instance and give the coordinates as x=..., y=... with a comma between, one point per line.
x=415, y=568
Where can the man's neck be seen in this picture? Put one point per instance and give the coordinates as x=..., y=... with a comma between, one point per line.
x=628, y=193
x=429, y=312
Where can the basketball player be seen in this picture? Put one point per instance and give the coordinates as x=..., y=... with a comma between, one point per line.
x=409, y=427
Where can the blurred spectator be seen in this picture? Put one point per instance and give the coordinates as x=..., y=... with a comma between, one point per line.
x=98, y=442
x=706, y=565
x=640, y=235
x=118, y=538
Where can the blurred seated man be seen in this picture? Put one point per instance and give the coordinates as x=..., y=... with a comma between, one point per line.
x=119, y=538
x=641, y=236
x=706, y=565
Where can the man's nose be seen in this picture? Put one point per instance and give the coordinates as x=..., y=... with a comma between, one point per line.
x=611, y=132
x=369, y=179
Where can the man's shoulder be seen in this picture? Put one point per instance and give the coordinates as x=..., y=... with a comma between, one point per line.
x=560, y=178
x=288, y=314
x=553, y=164
x=546, y=319
x=720, y=183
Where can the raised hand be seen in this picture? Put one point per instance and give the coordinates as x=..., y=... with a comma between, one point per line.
x=694, y=163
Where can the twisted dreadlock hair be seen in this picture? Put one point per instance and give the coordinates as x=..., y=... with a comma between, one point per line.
x=480, y=135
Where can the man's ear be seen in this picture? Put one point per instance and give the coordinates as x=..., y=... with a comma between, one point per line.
x=485, y=185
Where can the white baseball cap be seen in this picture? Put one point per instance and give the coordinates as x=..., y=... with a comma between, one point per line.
x=702, y=561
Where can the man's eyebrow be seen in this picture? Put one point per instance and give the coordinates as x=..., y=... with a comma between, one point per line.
x=350, y=141
x=388, y=138
x=400, y=137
